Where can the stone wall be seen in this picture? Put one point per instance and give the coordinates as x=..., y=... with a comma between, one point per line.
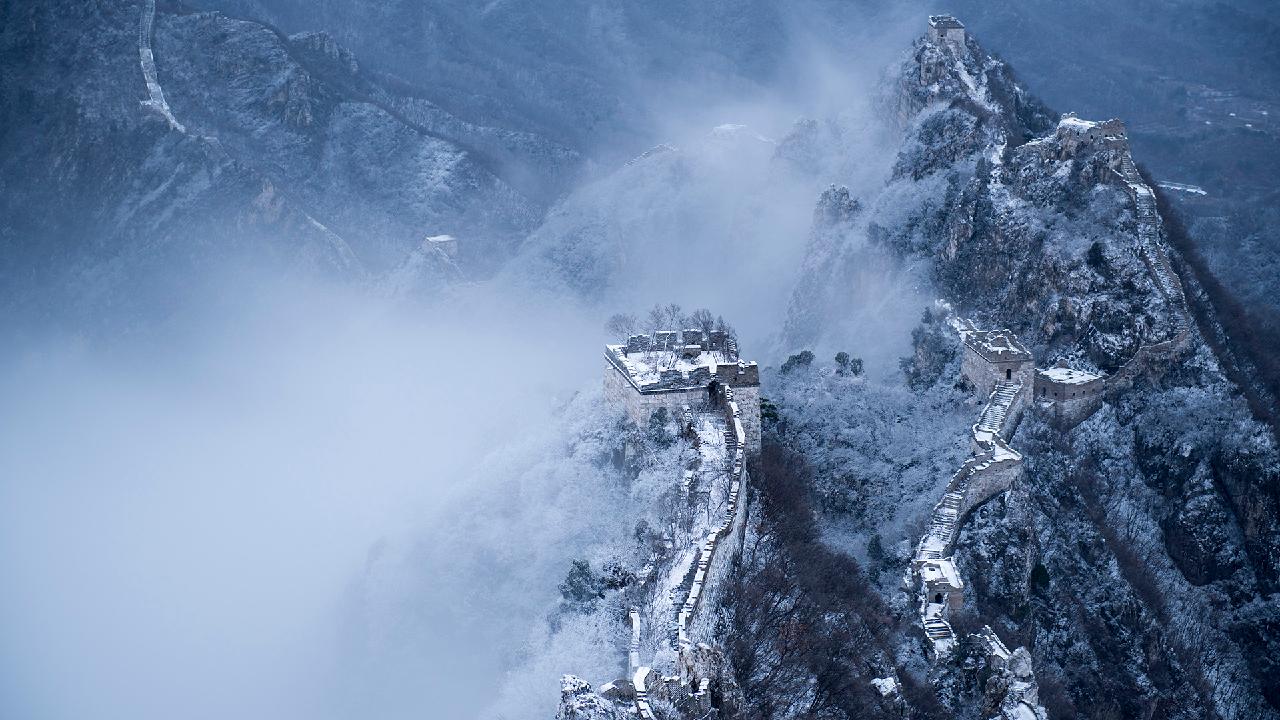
x=984, y=374
x=1046, y=389
x=1073, y=411
x=1070, y=403
x=744, y=378
x=748, y=399
x=639, y=406
x=733, y=516
x=698, y=663
x=988, y=478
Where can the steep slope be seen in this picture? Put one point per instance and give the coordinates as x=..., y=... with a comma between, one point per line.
x=144, y=145
x=1208, y=120
x=1135, y=557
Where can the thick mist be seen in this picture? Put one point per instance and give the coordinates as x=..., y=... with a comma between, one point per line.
x=184, y=518
x=300, y=498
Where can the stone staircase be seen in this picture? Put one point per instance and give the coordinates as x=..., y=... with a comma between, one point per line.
x=944, y=520
x=937, y=628
x=991, y=453
x=992, y=419
x=640, y=680
x=633, y=652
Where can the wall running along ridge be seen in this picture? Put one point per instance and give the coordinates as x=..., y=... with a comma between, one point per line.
x=990, y=471
x=155, y=101
x=688, y=615
x=995, y=465
x=1155, y=255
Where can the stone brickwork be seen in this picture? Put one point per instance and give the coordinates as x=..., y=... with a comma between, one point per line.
x=674, y=370
x=946, y=29
x=991, y=357
x=1075, y=135
x=1070, y=395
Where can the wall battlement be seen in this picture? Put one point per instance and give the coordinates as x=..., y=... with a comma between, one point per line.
x=672, y=370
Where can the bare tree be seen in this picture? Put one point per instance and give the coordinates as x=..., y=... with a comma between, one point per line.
x=622, y=325
x=655, y=320
x=703, y=320
x=726, y=328
x=674, y=316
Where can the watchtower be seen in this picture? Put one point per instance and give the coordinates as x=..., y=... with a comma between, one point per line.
x=946, y=29
x=992, y=357
x=679, y=369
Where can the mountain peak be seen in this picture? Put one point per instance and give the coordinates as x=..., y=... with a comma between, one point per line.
x=947, y=66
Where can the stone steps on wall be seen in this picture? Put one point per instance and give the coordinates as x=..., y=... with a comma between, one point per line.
x=938, y=629
x=997, y=410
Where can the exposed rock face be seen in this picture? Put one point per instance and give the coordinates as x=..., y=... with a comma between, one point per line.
x=965, y=77
x=1135, y=558
x=578, y=702
x=1041, y=232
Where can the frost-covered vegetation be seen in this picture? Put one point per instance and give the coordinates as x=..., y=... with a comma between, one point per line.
x=338, y=511
x=880, y=453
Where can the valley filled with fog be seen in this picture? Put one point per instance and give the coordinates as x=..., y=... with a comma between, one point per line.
x=322, y=497
x=267, y=451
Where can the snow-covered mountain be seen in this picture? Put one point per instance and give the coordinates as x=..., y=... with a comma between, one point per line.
x=1131, y=560
x=1135, y=558
x=271, y=150
x=471, y=159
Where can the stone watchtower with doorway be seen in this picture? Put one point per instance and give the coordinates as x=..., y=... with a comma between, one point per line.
x=992, y=357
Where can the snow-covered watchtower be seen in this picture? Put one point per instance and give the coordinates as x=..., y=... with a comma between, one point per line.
x=992, y=357
x=678, y=369
x=946, y=29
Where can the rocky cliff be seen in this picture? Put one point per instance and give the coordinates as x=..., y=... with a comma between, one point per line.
x=1135, y=558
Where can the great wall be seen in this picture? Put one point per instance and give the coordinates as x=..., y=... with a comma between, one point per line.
x=687, y=686
x=696, y=377
x=994, y=361
x=155, y=100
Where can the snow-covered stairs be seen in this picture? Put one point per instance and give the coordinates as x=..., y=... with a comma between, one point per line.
x=938, y=629
x=997, y=410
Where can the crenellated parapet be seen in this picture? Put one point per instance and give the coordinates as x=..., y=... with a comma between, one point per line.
x=996, y=359
x=674, y=370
